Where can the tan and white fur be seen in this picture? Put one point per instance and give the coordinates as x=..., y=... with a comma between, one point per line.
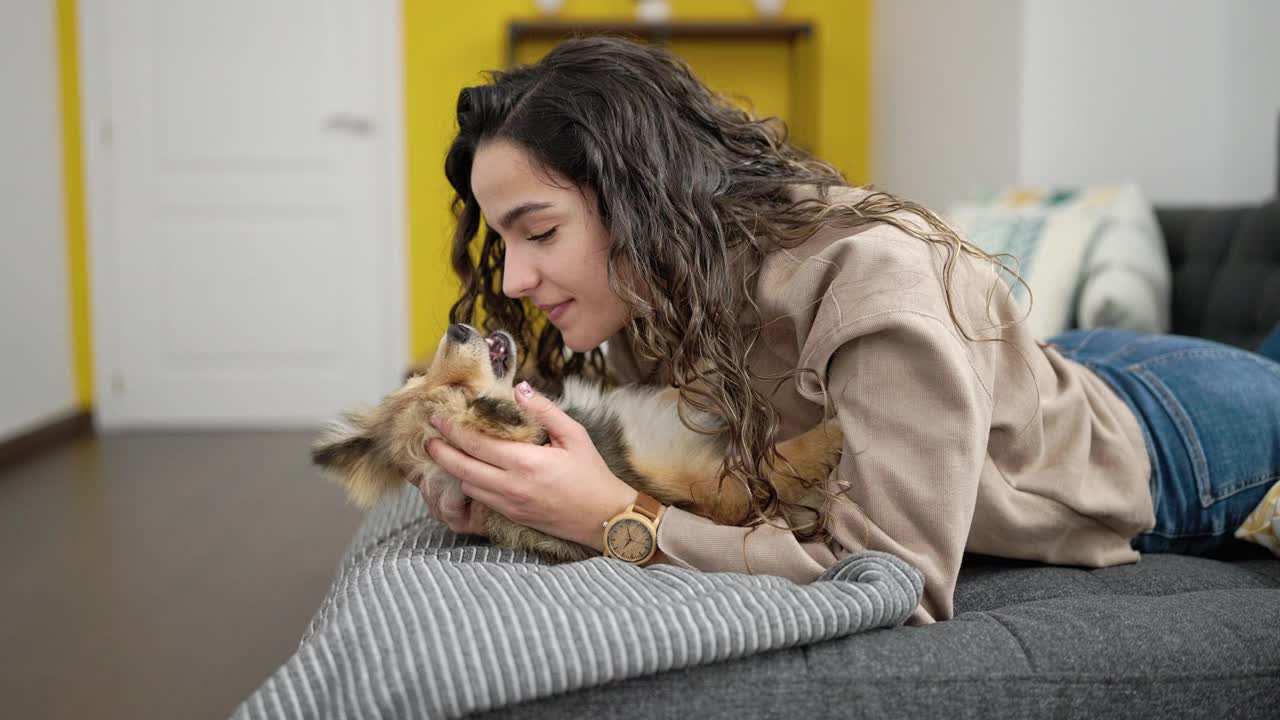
x=636, y=429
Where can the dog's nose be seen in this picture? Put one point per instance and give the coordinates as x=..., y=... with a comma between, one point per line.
x=459, y=333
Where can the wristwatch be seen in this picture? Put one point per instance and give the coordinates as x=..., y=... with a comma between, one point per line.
x=632, y=535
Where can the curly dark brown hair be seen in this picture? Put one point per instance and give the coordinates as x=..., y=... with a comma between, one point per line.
x=687, y=185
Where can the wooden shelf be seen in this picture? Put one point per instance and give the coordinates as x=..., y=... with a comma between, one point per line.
x=521, y=30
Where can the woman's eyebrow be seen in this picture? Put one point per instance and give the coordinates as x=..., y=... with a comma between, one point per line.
x=516, y=212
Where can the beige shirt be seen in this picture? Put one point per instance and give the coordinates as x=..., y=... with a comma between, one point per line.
x=1000, y=448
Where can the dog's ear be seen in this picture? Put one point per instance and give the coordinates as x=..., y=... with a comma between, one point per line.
x=349, y=453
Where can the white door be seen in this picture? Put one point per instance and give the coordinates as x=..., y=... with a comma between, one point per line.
x=245, y=213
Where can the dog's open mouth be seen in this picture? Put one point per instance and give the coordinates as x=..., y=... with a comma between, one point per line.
x=501, y=353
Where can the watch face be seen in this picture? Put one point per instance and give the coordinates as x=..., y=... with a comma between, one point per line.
x=630, y=540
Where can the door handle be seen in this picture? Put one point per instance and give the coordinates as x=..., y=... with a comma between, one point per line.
x=350, y=124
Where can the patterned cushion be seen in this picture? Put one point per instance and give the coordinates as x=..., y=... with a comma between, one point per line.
x=1093, y=256
x=1046, y=236
x=1263, y=524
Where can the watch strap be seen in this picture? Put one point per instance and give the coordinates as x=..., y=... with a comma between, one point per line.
x=648, y=506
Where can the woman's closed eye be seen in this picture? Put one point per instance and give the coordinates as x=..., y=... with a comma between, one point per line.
x=544, y=236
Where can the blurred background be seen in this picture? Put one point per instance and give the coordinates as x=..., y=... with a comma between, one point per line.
x=221, y=223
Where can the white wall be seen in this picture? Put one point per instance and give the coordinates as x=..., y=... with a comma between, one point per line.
x=1181, y=96
x=1253, y=75
x=36, y=382
x=946, y=88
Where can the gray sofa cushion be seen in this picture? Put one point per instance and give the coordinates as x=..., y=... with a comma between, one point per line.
x=1170, y=636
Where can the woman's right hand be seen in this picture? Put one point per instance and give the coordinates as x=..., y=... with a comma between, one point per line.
x=461, y=517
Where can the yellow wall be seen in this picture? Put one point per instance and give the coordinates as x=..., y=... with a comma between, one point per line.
x=447, y=45
x=73, y=199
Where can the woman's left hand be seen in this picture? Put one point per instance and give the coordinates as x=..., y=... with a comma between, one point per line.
x=563, y=488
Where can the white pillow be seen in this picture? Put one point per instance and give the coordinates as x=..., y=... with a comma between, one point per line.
x=1049, y=240
x=1128, y=281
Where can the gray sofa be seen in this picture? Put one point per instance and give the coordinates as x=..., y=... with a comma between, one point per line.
x=1170, y=636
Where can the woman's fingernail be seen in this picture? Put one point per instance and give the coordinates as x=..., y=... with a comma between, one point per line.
x=525, y=390
x=436, y=421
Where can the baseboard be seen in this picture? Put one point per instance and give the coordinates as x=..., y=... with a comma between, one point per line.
x=25, y=446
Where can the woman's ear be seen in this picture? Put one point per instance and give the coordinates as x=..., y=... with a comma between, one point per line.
x=349, y=453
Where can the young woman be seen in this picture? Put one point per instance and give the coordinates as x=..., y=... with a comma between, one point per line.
x=626, y=202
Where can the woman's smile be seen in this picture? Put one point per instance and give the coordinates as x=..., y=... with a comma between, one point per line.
x=557, y=311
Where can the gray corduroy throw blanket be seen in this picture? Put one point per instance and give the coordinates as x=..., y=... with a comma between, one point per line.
x=423, y=623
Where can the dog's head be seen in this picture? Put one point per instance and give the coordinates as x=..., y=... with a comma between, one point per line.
x=374, y=450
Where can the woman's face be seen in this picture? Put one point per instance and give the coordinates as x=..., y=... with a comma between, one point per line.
x=557, y=249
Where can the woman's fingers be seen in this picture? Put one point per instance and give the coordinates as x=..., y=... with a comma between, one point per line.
x=466, y=520
x=504, y=454
x=462, y=466
x=431, y=498
x=447, y=502
x=474, y=522
x=562, y=429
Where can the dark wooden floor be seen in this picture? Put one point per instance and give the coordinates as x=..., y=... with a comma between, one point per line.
x=160, y=575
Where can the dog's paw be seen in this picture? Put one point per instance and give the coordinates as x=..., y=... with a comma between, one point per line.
x=506, y=533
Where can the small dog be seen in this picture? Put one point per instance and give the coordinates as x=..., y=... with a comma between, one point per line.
x=637, y=430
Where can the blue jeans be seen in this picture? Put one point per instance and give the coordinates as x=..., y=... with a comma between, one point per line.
x=1210, y=414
